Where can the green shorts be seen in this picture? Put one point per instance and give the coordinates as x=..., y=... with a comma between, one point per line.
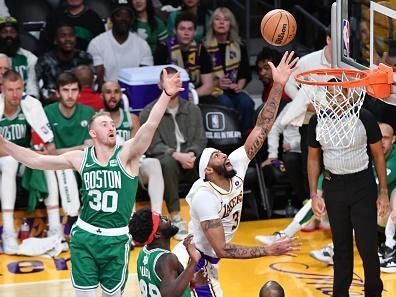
x=98, y=259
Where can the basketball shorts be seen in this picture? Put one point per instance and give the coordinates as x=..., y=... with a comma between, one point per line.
x=98, y=259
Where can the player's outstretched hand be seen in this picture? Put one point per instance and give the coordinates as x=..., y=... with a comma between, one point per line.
x=282, y=72
x=172, y=84
x=283, y=246
x=192, y=251
x=200, y=278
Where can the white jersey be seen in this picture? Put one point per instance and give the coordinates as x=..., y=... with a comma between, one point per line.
x=208, y=202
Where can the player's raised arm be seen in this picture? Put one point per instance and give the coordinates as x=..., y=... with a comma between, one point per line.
x=267, y=115
x=138, y=145
x=34, y=160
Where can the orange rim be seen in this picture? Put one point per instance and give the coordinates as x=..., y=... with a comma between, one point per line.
x=359, y=76
x=378, y=82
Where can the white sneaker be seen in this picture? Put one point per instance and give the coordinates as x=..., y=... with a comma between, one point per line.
x=389, y=266
x=324, y=255
x=182, y=233
x=270, y=239
x=10, y=243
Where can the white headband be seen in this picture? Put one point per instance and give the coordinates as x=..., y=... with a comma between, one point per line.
x=204, y=161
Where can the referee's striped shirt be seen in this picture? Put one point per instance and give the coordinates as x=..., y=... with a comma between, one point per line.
x=353, y=158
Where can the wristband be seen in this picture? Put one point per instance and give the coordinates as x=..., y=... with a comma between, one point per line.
x=314, y=195
x=167, y=93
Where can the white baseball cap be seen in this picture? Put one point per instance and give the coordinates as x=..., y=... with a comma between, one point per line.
x=204, y=161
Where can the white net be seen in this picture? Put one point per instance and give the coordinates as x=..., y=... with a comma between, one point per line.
x=337, y=108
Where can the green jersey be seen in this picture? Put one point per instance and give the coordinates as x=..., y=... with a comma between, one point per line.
x=124, y=127
x=16, y=129
x=72, y=131
x=149, y=281
x=390, y=170
x=151, y=35
x=108, y=192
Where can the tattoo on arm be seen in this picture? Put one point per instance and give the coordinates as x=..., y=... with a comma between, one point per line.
x=265, y=120
x=211, y=224
x=240, y=252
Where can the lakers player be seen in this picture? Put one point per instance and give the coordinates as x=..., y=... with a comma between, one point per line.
x=99, y=239
x=215, y=199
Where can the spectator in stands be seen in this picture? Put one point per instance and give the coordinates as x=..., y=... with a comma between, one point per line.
x=178, y=141
x=64, y=57
x=230, y=64
x=291, y=155
x=147, y=25
x=201, y=13
x=18, y=119
x=85, y=22
x=184, y=51
x=5, y=65
x=86, y=80
x=119, y=48
x=127, y=124
x=272, y=289
x=265, y=74
x=69, y=121
x=23, y=61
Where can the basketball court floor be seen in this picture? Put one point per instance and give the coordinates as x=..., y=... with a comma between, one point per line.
x=300, y=275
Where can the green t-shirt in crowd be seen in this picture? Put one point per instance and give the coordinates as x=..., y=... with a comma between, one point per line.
x=152, y=36
x=72, y=131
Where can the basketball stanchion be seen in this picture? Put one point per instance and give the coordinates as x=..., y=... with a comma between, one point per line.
x=337, y=96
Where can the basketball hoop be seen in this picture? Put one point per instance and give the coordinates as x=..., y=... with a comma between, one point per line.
x=337, y=96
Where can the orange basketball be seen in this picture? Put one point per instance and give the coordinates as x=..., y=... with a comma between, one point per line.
x=278, y=27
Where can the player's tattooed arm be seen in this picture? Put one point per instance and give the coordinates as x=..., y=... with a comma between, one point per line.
x=264, y=122
x=267, y=115
x=214, y=232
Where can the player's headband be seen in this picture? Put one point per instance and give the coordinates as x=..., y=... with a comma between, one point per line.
x=204, y=161
x=156, y=220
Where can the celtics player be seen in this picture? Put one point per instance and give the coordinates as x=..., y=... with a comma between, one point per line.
x=99, y=239
x=69, y=121
x=150, y=172
x=17, y=118
x=159, y=271
x=215, y=199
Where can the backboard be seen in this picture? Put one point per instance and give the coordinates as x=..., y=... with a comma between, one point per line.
x=365, y=35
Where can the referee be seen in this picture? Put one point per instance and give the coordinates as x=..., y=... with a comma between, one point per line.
x=351, y=199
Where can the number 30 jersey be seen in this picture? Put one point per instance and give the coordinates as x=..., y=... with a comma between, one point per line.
x=108, y=192
x=207, y=201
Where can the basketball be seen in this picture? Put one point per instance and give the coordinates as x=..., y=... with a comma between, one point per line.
x=278, y=27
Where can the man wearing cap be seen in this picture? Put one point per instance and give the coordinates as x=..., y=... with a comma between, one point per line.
x=216, y=198
x=23, y=61
x=119, y=48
